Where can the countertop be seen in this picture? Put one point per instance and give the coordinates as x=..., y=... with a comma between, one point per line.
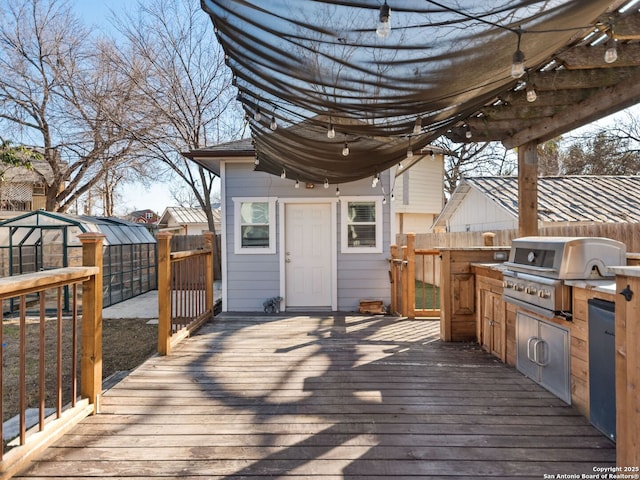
x=604, y=286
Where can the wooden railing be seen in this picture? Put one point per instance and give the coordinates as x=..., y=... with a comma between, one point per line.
x=415, y=280
x=185, y=291
x=40, y=378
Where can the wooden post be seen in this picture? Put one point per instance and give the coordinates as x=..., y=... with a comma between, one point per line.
x=209, y=244
x=164, y=293
x=411, y=275
x=528, y=189
x=488, y=238
x=91, y=355
x=394, y=280
x=405, y=279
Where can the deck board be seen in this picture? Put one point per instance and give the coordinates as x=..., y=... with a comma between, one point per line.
x=326, y=398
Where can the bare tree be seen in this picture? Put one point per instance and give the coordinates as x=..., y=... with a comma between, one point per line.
x=186, y=88
x=56, y=89
x=473, y=159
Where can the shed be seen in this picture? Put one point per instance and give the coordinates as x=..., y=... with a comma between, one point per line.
x=41, y=240
x=491, y=203
x=187, y=220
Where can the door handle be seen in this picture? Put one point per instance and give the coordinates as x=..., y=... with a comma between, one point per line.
x=544, y=356
x=529, y=350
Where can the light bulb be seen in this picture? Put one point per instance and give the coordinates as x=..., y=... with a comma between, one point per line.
x=393, y=196
x=611, y=53
x=345, y=149
x=384, y=200
x=531, y=93
x=257, y=116
x=256, y=161
x=517, y=64
x=273, y=125
x=331, y=133
x=337, y=191
x=384, y=21
x=283, y=174
x=400, y=166
x=374, y=182
x=409, y=152
x=417, y=127
x=432, y=156
x=297, y=184
x=326, y=183
x=467, y=132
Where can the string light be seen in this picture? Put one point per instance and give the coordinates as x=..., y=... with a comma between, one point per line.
x=467, y=132
x=393, y=197
x=384, y=200
x=273, y=125
x=345, y=150
x=384, y=21
x=409, y=152
x=337, y=191
x=375, y=180
x=432, y=156
x=326, y=183
x=400, y=166
x=257, y=116
x=297, y=184
x=531, y=93
x=331, y=132
x=283, y=174
x=256, y=161
x=611, y=53
x=517, y=62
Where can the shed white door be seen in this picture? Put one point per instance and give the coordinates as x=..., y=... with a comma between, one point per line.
x=308, y=255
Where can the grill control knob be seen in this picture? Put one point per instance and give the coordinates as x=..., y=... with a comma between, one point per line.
x=518, y=287
x=507, y=284
x=544, y=294
x=531, y=290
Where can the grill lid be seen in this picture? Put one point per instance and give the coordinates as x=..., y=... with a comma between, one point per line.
x=566, y=258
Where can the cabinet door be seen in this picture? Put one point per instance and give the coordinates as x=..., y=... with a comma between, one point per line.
x=526, y=338
x=486, y=307
x=553, y=357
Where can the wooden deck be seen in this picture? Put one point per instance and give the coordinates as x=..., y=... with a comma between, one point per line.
x=326, y=398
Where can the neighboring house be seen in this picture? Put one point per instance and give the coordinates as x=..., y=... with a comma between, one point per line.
x=148, y=217
x=419, y=191
x=187, y=221
x=491, y=203
x=319, y=247
x=22, y=189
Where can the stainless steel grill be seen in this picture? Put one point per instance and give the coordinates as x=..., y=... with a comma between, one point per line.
x=537, y=267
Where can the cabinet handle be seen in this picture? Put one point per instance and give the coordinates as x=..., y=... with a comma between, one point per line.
x=544, y=355
x=529, y=356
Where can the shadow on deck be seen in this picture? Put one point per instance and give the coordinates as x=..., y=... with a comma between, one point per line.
x=326, y=397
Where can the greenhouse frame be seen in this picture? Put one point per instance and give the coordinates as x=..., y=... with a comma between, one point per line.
x=41, y=240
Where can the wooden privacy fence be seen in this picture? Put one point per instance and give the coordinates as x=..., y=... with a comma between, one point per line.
x=185, y=290
x=415, y=280
x=39, y=382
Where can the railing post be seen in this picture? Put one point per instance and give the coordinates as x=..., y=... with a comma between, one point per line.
x=393, y=279
x=91, y=355
x=209, y=244
x=405, y=289
x=411, y=274
x=164, y=293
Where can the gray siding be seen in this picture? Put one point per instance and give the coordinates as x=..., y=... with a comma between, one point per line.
x=250, y=279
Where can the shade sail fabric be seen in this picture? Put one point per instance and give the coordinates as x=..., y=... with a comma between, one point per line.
x=308, y=64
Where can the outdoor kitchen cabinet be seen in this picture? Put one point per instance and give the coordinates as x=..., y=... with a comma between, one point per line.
x=543, y=354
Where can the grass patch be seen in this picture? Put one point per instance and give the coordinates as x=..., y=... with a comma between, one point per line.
x=126, y=343
x=427, y=296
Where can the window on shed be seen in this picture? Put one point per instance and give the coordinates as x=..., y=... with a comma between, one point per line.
x=361, y=225
x=255, y=225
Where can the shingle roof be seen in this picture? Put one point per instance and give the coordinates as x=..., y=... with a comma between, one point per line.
x=570, y=198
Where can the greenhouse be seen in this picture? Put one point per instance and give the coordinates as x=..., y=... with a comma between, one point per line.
x=41, y=240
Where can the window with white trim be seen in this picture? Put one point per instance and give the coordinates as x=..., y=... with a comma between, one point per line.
x=361, y=224
x=254, y=220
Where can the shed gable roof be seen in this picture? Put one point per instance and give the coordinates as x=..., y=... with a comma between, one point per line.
x=561, y=199
x=187, y=216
